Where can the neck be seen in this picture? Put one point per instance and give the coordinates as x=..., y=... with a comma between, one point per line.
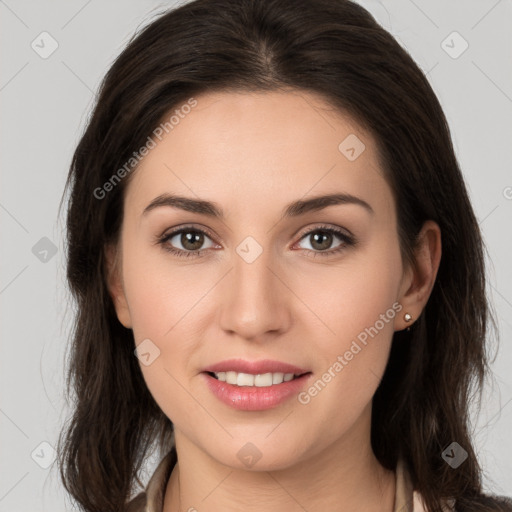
x=346, y=476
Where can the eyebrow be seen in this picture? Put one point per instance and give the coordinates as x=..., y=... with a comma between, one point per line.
x=294, y=209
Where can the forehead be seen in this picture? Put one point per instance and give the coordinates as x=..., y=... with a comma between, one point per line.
x=243, y=149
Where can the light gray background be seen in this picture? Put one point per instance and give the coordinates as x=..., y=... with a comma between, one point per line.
x=44, y=106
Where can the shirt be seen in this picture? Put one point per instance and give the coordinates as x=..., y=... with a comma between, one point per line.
x=152, y=498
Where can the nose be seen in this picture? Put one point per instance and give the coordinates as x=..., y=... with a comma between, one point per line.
x=254, y=299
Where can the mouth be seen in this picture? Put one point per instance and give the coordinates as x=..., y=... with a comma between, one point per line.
x=255, y=385
x=257, y=380
x=255, y=391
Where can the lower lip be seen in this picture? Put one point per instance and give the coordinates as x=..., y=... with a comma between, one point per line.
x=254, y=398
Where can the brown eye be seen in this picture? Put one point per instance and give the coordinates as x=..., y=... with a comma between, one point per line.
x=185, y=241
x=322, y=238
x=191, y=240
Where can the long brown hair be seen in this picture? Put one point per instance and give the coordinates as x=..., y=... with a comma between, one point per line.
x=336, y=49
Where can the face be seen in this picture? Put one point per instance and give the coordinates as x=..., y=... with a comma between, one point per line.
x=315, y=288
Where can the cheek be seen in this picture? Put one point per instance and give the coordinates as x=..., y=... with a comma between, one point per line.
x=161, y=303
x=353, y=295
x=166, y=302
x=161, y=293
x=357, y=305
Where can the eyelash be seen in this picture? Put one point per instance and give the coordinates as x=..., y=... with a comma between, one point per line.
x=348, y=241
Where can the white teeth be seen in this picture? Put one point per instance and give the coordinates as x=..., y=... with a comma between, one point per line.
x=263, y=380
x=277, y=378
x=245, y=379
x=231, y=377
x=260, y=380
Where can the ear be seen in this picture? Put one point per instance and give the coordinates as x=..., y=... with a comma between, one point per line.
x=115, y=285
x=419, y=279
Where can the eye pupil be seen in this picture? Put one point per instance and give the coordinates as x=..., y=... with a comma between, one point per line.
x=322, y=234
x=193, y=237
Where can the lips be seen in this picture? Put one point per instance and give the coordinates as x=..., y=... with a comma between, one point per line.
x=255, y=367
x=250, y=386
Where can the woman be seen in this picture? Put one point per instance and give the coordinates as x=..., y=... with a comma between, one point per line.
x=279, y=275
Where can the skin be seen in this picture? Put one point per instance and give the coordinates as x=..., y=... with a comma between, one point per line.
x=253, y=153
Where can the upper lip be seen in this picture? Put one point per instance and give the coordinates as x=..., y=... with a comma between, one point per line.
x=254, y=367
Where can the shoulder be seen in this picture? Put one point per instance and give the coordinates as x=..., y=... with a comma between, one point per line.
x=409, y=499
x=486, y=503
x=419, y=504
x=152, y=498
x=137, y=504
x=483, y=503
